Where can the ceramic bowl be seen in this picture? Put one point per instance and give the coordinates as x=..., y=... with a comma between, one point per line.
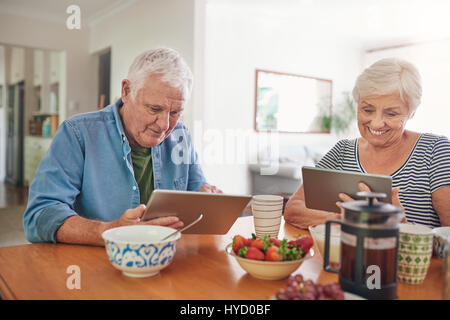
x=268, y=270
x=440, y=235
x=137, y=250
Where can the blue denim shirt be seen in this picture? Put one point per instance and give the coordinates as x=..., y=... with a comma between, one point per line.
x=87, y=171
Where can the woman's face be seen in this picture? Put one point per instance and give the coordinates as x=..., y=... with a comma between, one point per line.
x=382, y=119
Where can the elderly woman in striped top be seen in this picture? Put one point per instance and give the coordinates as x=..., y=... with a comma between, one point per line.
x=388, y=94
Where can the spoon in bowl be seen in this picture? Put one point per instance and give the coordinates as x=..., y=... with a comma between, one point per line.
x=184, y=228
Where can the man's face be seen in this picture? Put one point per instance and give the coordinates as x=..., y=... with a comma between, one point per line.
x=151, y=116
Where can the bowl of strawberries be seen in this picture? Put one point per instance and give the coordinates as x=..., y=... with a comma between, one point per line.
x=269, y=258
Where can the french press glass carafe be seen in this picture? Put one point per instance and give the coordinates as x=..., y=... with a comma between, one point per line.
x=369, y=242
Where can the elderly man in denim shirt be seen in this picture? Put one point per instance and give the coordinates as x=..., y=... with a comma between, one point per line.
x=103, y=165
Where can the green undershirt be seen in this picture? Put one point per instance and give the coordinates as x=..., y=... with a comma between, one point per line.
x=143, y=171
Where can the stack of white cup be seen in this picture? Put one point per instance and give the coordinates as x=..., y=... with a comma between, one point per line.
x=267, y=211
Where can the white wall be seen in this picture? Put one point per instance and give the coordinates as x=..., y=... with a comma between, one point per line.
x=145, y=25
x=240, y=39
x=81, y=72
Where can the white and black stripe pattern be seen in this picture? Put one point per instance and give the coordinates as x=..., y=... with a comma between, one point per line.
x=426, y=170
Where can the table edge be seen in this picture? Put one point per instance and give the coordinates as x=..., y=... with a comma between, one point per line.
x=5, y=292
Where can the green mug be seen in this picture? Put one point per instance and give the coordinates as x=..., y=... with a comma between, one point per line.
x=414, y=253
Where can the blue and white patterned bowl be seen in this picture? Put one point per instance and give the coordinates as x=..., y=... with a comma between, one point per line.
x=137, y=250
x=440, y=236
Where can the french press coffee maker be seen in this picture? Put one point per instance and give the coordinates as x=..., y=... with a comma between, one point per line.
x=369, y=244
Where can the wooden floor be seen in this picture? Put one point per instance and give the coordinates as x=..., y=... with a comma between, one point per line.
x=11, y=196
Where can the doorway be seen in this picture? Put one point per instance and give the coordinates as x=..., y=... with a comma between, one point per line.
x=104, y=78
x=15, y=133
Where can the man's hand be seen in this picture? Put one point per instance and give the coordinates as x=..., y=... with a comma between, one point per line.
x=133, y=216
x=210, y=189
x=79, y=230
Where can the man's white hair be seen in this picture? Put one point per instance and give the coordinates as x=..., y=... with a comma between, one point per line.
x=162, y=61
x=390, y=76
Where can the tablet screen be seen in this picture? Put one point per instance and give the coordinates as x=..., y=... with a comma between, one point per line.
x=322, y=186
x=219, y=210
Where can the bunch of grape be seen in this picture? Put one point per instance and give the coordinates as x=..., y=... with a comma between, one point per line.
x=300, y=289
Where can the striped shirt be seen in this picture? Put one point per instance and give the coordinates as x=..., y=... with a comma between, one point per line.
x=426, y=170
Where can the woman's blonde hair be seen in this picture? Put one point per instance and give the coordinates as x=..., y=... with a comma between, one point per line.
x=390, y=76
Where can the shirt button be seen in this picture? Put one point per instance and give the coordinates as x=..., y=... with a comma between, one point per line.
x=134, y=187
x=124, y=158
x=123, y=138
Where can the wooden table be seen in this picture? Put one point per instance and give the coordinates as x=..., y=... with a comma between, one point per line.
x=201, y=270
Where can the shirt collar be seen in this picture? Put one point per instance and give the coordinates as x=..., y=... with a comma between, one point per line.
x=119, y=124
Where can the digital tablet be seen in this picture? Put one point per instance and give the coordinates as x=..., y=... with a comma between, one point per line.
x=322, y=186
x=219, y=210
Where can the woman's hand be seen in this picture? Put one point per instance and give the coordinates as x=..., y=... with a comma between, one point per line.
x=346, y=198
x=363, y=187
x=297, y=214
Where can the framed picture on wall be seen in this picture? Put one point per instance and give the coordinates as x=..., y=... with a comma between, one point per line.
x=287, y=102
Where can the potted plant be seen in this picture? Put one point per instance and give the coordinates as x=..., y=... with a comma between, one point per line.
x=344, y=115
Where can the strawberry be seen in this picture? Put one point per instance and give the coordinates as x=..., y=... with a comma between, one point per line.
x=305, y=243
x=291, y=243
x=275, y=241
x=289, y=250
x=254, y=254
x=258, y=243
x=238, y=242
x=242, y=252
x=272, y=254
